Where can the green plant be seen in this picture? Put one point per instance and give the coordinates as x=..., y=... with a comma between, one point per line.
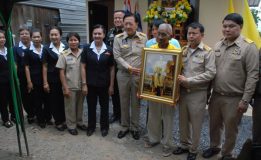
x=255, y=13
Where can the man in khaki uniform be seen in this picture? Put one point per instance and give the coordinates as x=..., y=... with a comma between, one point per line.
x=198, y=70
x=69, y=64
x=127, y=50
x=233, y=87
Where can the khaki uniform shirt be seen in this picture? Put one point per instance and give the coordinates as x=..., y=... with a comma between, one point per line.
x=198, y=66
x=237, y=68
x=71, y=64
x=127, y=50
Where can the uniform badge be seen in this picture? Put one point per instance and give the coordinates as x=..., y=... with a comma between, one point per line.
x=125, y=43
x=236, y=51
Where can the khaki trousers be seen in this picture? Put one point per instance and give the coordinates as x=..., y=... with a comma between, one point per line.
x=191, y=115
x=159, y=112
x=130, y=108
x=74, y=109
x=223, y=114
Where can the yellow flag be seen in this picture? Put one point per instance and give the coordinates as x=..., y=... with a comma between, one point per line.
x=231, y=7
x=249, y=27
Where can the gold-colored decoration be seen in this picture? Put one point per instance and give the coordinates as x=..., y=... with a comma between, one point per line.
x=160, y=69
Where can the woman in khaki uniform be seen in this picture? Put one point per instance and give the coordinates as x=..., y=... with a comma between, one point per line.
x=69, y=65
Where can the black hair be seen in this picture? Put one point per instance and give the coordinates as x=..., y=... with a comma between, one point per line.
x=24, y=28
x=122, y=11
x=1, y=31
x=196, y=25
x=35, y=30
x=71, y=34
x=131, y=15
x=57, y=28
x=99, y=26
x=235, y=17
x=157, y=23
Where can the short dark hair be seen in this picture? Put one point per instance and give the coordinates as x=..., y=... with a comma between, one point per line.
x=71, y=34
x=131, y=15
x=1, y=31
x=99, y=26
x=157, y=23
x=24, y=28
x=35, y=30
x=116, y=11
x=235, y=17
x=59, y=29
x=196, y=25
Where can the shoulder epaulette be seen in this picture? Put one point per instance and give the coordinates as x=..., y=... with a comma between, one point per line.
x=184, y=50
x=248, y=40
x=207, y=48
x=142, y=34
x=65, y=52
x=119, y=35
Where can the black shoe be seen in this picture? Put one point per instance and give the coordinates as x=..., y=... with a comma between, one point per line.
x=135, y=135
x=122, y=134
x=73, y=131
x=42, y=125
x=192, y=156
x=210, y=152
x=114, y=119
x=104, y=132
x=227, y=158
x=90, y=132
x=8, y=124
x=82, y=127
x=61, y=127
x=30, y=120
x=180, y=150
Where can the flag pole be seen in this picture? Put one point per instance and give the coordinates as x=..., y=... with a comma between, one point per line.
x=5, y=18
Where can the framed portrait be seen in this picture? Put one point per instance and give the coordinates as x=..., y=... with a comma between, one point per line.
x=160, y=69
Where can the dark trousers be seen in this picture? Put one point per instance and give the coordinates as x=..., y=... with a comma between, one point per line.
x=40, y=104
x=93, y=94
x=56, y=102
x=116, y=100
x=256, y=115
x=5, y=100
x=27, y=104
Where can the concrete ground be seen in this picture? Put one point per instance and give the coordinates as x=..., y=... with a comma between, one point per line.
x=50, y=144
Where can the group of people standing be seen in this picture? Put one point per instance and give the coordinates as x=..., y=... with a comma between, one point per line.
x=223, y=78
x=54, y=80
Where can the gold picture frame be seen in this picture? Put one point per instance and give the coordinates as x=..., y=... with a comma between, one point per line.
x=159, y=72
